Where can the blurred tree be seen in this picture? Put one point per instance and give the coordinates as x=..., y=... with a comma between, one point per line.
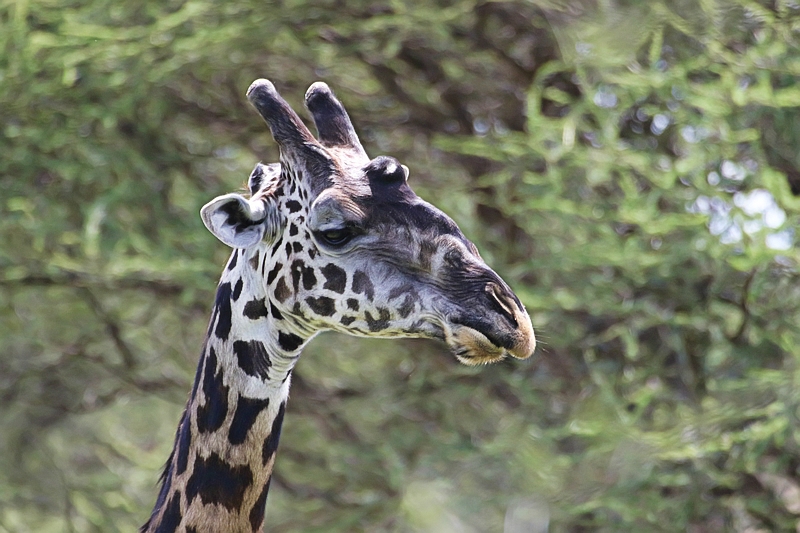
x=628, y=166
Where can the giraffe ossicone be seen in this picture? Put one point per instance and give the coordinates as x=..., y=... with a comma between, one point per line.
x=327, y=240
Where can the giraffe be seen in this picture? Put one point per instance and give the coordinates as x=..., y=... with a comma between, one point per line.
x=327, y=239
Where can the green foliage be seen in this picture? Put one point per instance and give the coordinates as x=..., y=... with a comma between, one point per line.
x=631, y=168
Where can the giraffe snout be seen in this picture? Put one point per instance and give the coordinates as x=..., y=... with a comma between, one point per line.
x=521, y=342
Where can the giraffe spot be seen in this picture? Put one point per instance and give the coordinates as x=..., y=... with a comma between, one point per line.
x=288, y=249
x=335, y=278
x=184, y=440
x=277, y=246
x=275, y=312
x=363, y=285
x=282, y=291
x=274, y=273
x=301, y=272
x=426, y=250
x=255, y=309
x=322, y=306
x=289, y=341
x=233, y=260
x=407, y=306
x=255, y=260
x=352, y=304
x=211, y=414
x=380, y=323
x=256, y=515
x=217, y=482
x=312, y=252
x=237, y=289
x=172, y=516
x=222, y=312
x=297, y=247
x=247, y=411
x=271, y=442
x=347, y=320
x=252, y=358
x=293, y=206
x=293, y=230
x=309, y=279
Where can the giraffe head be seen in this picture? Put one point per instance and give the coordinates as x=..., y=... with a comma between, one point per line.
x=341, y=242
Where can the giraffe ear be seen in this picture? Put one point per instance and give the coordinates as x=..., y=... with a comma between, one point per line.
x=239, y=222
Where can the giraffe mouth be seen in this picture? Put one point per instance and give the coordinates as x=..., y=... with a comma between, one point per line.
x=471, y=347
x=477, y=341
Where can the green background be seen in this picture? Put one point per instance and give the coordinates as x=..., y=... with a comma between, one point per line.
x=627, y=167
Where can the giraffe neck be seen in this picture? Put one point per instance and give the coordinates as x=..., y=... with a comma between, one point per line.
x=218, y=474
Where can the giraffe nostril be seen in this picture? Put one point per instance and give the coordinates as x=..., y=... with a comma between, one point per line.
x=500, y=303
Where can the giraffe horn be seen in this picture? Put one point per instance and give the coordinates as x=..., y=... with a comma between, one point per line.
x=333, y=124
x=287, y=128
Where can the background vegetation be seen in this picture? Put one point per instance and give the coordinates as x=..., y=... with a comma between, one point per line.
x=629, y=167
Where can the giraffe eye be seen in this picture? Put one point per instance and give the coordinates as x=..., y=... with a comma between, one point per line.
x=335, y=237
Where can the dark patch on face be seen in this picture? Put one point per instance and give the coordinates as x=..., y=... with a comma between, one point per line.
x=237, y=289
x=172, y=514
x=399, y=291
x=254, y=261
x=363, y=285
x=293, y=230
x=222, y=312
x=352, y=304
x=217, y=482
x=184, y=441
x=255, y=309
x=322, y=306
x=426, y=251
x=312, y=252
x=276, y=314
x=301, y=271
x=380, y=323
x=335, y=278
x=293, y=206
x=234, y=259
x=408, y=305
x=271, y=442
x=297, y=247
x=288, y=249
x=252, y=358
x=274, y=273
x=211, y=415
x=256, y=516
x=289, y=341
x=282, y=291
x=347, y=320
x=247, y=410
